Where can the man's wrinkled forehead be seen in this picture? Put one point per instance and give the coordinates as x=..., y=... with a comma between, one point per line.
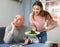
x=20, y=16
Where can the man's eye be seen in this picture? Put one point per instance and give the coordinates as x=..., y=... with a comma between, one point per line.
x=16, y=17
x=20, y=19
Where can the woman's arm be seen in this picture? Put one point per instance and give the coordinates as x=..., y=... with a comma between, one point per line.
x=32, y=22
x=49, y=26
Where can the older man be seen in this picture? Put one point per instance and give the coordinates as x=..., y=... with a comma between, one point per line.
x=15, y=31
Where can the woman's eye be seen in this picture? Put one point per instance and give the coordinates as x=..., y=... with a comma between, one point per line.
x=37, y=9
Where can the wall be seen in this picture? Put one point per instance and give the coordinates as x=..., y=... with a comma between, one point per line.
x=26, y=8
x=8, y=10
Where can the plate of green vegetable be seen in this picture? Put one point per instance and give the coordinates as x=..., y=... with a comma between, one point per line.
x=32, y=33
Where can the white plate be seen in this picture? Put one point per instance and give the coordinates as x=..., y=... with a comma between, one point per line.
x=27, y=33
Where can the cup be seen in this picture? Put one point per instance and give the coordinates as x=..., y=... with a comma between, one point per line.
x=48, y=44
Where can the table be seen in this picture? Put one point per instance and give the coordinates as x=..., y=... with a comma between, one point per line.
x=30, y=45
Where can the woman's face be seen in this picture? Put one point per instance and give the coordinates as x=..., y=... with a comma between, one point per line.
x=36, y=9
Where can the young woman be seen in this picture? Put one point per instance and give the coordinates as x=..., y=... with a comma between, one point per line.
x=41, y=21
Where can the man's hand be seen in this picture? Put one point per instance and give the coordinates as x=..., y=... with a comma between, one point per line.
x=13, y=27
x=22, y=43
x=12, y=24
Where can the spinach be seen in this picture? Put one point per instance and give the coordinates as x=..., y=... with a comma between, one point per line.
x=32, y=32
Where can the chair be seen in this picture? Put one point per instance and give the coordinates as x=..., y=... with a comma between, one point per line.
x=2, y=31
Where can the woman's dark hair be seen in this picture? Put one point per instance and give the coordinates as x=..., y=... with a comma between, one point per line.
x=38, y=3
x=47, y=15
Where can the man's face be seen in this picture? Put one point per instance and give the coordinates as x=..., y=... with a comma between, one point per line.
x=18, y=20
